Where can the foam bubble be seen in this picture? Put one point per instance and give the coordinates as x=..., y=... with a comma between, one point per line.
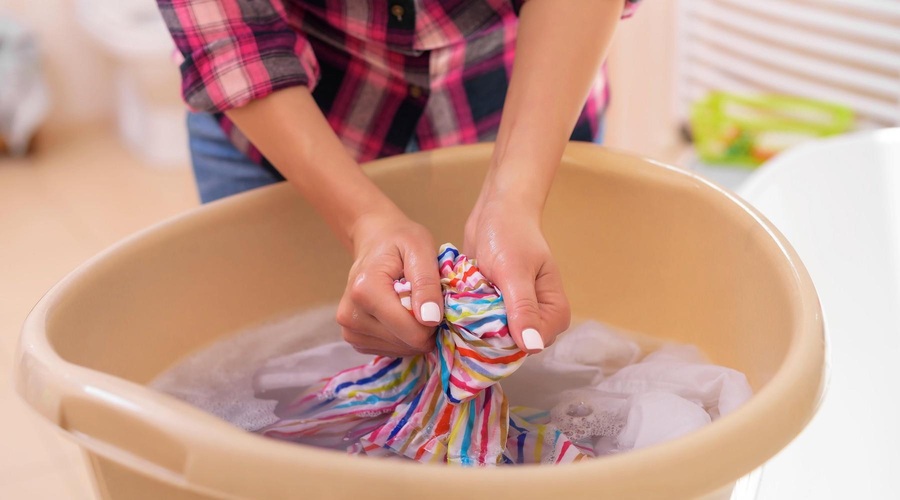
x=219, y=378
x=587, y=413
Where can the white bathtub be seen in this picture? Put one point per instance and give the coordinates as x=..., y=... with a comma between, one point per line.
x=838, y=203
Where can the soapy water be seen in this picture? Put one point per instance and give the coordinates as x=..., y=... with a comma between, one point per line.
x=247, y=379
x=587, y=413
x=219, y=378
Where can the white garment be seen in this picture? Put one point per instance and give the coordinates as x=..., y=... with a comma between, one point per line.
x=657, y=417
x=683, y=371
x=671, y=392
x=590, y=380
x=307, y=368
x=581, y=357
x=219, y=378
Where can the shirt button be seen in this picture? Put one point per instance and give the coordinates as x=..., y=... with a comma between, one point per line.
x=415, y=91
x=398, y=11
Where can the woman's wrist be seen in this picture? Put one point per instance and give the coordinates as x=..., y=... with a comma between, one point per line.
x=346, y=198
x=288, y=127
x=521, y=186
x=372, y=222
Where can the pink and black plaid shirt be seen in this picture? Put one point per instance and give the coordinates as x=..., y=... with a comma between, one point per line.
x=384, y=72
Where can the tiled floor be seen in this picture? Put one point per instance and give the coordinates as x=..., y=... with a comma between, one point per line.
x=77, y=196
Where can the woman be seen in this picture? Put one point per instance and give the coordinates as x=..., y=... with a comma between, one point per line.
x=304, y=89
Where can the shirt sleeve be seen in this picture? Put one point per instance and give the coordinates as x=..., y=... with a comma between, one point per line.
x=630, y=7
x=236, y=51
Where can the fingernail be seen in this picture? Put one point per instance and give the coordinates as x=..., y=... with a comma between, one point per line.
x=430, y=311
x=532, y=339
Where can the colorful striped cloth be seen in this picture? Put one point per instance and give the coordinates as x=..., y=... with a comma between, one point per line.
x=444, y=406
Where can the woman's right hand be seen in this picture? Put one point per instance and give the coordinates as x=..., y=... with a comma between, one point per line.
x=386, y=247
x=290, y=130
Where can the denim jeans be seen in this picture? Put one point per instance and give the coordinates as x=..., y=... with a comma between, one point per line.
x=221, y=170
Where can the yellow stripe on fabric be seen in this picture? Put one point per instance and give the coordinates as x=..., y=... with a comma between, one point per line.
x=503, y=416
x=478, y=376
x=458, y=425
x=539, y=444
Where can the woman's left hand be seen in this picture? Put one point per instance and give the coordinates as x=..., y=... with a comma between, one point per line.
x=539, y=113
x=504, y=236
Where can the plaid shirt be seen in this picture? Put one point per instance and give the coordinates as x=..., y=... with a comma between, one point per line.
x=383, y=72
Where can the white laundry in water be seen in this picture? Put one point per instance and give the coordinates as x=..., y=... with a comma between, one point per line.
x=598, y=386
x=219, y=378
x=581, y=357
x=307, y=368
x=682, y=370
x=657, y=417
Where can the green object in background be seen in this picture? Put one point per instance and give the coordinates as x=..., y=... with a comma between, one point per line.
x=747, y=130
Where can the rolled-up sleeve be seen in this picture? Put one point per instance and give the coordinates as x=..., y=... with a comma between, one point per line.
x=236, y=51
x=630, y=7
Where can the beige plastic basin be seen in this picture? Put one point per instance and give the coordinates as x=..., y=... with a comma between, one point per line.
x=641, y=245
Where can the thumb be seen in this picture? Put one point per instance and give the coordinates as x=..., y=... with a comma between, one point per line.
x=420, y=268
x=522, y=310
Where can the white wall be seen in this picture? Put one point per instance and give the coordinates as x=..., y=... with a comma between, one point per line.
x=641, y=65
x=79, y=74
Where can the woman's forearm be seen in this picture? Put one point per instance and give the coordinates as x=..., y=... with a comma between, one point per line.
x=559, y=50
x=290, y=130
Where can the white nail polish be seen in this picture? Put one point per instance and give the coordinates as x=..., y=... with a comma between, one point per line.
x=430, y=312
x=532, y=339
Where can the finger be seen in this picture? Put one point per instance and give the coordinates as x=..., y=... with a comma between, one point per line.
x=372, y=292
x=356, y=325
x=420, y=268
x=522, y=309
x=367, y=344
x=556, y=313
x=370, y=326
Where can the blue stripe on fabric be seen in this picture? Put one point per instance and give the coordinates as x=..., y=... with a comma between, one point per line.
x=374, y=398
x=538, y=416
x=366, y=380
x=317, y=407
x=409, y=412
x=481, y=322
x=521, y=448
x=448, y=250
x=470, y=302
x=483, y=370
x=512, y=424
x=477, y=306
x=467, y=437
x=445, y=378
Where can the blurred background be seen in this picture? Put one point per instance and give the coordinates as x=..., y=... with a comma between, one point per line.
x=94, y=145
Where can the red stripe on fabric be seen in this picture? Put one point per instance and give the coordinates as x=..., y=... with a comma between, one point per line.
x=485, y=425
x=443, y=425
x=469, y=353
x=499, y=333
x=566, y=445
x=469, y=272
x=462, y=385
